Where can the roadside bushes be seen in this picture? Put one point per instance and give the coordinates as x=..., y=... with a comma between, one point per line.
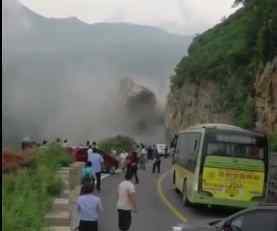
x=118, y=143
x=28, y=191
x=12, y=161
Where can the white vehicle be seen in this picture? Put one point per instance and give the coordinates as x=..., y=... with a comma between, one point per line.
x=161, y=149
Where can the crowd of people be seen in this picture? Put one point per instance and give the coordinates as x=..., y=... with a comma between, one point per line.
x=89, y=205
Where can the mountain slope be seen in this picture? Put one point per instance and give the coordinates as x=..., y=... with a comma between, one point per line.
x=59, y=74
x=216, y=81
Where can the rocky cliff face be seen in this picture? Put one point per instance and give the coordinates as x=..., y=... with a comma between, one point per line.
x=195, y=103
x=199, y=103
x=266, y=98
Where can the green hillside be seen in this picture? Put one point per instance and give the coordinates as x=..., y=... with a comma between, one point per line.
x=231, y=54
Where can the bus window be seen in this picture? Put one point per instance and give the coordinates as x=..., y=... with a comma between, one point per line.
x=255, y=150
x=181, y=149
x=216, y=149
x=188, y=146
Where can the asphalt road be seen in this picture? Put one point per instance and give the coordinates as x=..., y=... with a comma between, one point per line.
x=159, y=206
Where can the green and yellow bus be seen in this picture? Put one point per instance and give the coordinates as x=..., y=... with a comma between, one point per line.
x=220, y=164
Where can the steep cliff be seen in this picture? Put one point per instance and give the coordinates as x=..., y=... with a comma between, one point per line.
x=195, y=103
x=229, y=74
x=266, y=98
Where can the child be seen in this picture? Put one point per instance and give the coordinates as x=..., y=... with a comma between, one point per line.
x=88, y=175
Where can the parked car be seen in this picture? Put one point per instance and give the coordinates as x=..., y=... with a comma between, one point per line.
x=110, y=162
x=252, y=219
x=26, y=143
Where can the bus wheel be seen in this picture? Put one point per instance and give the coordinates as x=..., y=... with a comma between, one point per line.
x=184, y=194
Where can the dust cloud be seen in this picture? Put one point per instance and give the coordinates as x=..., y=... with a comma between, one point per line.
x=44, y=97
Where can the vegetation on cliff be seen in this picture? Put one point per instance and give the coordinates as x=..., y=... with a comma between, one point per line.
x=231, y=54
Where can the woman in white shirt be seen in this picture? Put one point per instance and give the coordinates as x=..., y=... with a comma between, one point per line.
x=89, y=207
x=126, y=202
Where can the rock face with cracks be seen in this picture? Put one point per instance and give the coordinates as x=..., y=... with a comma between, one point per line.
x=266, y=98
x=198, y=103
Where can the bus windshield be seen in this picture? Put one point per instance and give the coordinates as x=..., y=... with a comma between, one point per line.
x=236, y=146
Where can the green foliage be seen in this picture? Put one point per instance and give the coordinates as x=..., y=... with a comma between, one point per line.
x=28, y=192
x=118, y=143
x=246, y=116
x=230, y=54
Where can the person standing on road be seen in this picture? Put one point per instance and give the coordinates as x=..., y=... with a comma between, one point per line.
x=88, y=175
x=97, y=162
x=126, y=202
x=89, y=206
x=142, y=158
x=89, y=151
x=157, y=160
x=122, y=160
x=149, y=153
x=65, y=143
x=133, y=166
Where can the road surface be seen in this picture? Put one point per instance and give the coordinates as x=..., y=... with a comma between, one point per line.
x=159, y=206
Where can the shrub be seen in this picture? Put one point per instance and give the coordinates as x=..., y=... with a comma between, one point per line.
x=28, y=192
x=118, y=143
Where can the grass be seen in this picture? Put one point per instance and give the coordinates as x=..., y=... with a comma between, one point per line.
x=28, y=192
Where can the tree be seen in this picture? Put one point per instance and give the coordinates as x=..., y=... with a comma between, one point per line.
x=243, y=2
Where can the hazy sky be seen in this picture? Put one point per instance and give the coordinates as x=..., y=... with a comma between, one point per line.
x=182, y=16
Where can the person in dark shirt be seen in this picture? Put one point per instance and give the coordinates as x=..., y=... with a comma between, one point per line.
x=149, y=153
x=132, y=165
x=157, y=160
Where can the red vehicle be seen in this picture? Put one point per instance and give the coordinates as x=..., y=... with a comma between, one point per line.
x=110, y=163
x=26, y=143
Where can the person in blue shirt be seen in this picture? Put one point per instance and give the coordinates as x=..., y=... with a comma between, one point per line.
x=89, y=206
x=97, y=162
x=88, y=174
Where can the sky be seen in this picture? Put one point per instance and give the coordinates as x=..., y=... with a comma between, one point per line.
x=178, y=16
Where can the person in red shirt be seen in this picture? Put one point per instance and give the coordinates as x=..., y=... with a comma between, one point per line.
x=132, y=165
